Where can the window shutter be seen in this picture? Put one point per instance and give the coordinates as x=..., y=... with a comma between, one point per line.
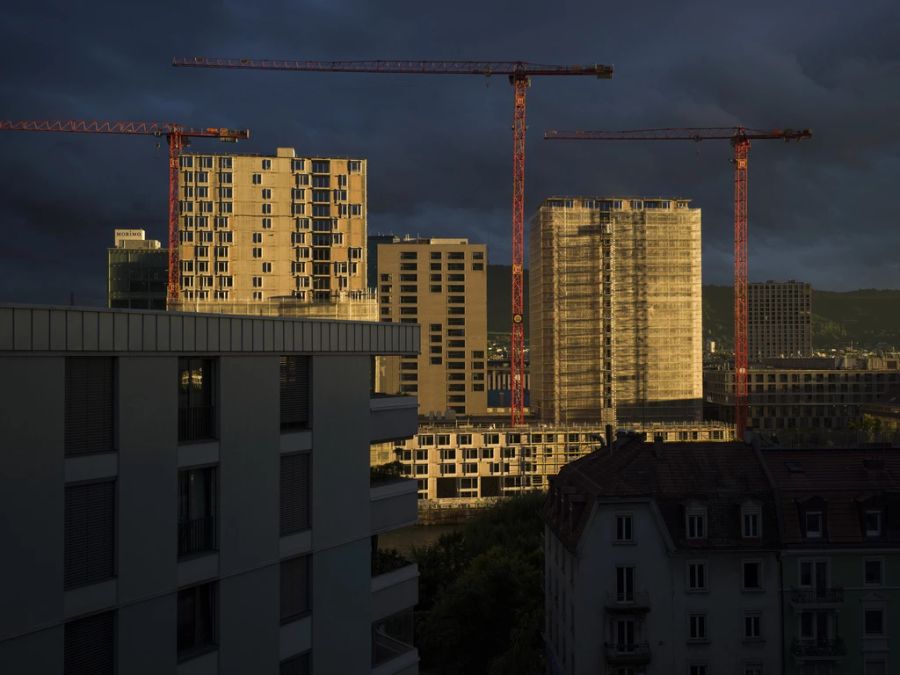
x=294, y=587
x=294, y=392
x=90, y=645
x=89, y=533
x=296, y=665
x=89, y=404
x=294, y=493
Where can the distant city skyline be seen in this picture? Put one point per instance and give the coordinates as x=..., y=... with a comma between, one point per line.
x=812, y=211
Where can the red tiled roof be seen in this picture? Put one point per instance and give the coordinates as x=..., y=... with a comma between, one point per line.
x=720, y=476
x=846, y=481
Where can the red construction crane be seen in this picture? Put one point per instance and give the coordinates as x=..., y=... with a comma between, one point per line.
x=177, y=136
x=740, y=138
x=520, y=74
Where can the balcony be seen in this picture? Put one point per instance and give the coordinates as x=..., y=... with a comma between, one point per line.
x=392, y=645
x=393, y=498
x=635, y=654
x=821, y=650
x=817, y=597
x=392, y=417
x=395, y=584
x=627, y=602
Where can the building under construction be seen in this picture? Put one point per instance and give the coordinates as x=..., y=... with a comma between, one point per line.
x=616, y=325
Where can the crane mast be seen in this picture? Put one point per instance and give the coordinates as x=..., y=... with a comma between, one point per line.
x=740, y=138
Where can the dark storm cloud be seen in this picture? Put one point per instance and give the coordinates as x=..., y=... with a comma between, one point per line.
x=439, y=147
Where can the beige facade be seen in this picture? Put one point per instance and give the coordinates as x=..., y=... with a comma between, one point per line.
x=254, y=228
x=468, y=465
x=441, y=284
x=780, y=319
x=616, y=323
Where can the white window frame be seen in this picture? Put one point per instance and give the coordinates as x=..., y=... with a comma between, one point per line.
x=880, y=516
x=687, y=572
x=751, y=514
x=696, y=514
x=698, y=620
x=814, y=534
x=758, y=617
x=626, y=518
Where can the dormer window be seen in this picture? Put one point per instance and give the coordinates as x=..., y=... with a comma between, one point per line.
x=696, y=522
x=751, y=521
x=814, y=524
x=873, y=523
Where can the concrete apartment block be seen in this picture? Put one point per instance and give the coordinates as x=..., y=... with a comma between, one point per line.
x=780, y=319
x=191, y=494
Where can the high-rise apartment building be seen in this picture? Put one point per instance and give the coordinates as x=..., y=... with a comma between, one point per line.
x=254, y=228
x=191, y=494
x=441, y=284
x=779, y=321
x=137, y=271
x=615, y=310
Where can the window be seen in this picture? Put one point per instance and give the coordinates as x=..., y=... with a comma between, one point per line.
x=257, y=252
x=256, y=179
x=752, y=629
x=698, y=670
x=623, y=528
x=354, y=166
x=873, y=622
x=89, y=404
x=752, y=575
x=296, y=665
x=90, y=645
x=873, y=572
x=266, y=164
x=873, y=523
x=624, y=584
x=196, y=401
x=696, y=576
x=623, y=635
x=294, y=385
x=696, y=523
x=294, y=588
x=197, y=620
x=266, y=208
x=267, y=193
x=197, y=505
x=266, y=267
x=750, y=522
x=813, y=522
x=697, y=627
x=90, y=538
x=295, y=486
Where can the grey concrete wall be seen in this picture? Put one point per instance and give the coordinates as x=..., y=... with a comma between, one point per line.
x=148, y=484
x=39, y=653
x=146, y=635
x=341, y=574
x=249, y=462
x=249, y=627
x=32, y=472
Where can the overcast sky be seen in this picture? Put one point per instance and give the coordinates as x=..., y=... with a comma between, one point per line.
x=439, y=148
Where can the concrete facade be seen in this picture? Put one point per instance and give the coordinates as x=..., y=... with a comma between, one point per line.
x=441, y=284
x=257, y=227
x=44, y=614
x=779, y=320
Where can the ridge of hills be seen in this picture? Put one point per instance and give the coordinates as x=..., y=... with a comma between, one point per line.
x=867, y=318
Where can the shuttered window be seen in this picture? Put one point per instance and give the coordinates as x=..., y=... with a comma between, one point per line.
x=89, y=404
x=296, y=665
x=197, y=508
x=90, y=533
x=197, y=620
x=294, y=392
x=90, y=645
x=294, y=588
x=294, y=493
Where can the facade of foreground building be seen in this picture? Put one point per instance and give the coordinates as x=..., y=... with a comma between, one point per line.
x=191, y=494
x=661, y=559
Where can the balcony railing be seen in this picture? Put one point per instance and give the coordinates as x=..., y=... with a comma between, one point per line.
x=387, y=560
x=196, y=535
x=196, y=423
x=623, y=602
x=632, y=653
x=802, y=596
x=818, y=648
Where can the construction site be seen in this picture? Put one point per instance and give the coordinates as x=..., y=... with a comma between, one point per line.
x=616, y=316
